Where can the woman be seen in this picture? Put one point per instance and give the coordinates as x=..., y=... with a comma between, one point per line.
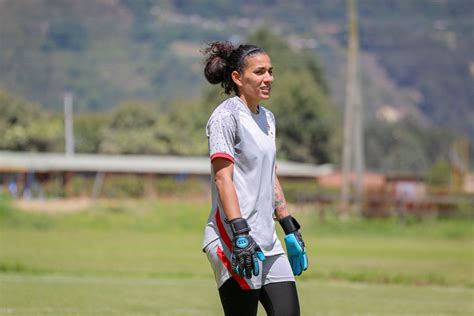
x=240, y=239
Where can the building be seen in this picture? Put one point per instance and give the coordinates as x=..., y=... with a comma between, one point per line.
x=22, y=172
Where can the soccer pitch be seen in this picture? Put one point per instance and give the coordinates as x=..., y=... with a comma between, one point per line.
x=144, y=258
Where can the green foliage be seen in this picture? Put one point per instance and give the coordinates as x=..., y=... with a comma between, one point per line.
x=111, y=51
x=304, y=114
x=123, y=186
x=297, y=191
x=434, y=52
x=132, y=115
x=188, y=120
x=66, y=34
x=139, y=8
x=304, y=119
x=185, y=188
x=82, y=186
x=54, y=188
x=136, y=128
x=439, y=174
x=88, y=131
x=24, y=127
x=46, y=134
x=404, y=146
x=15, y=111
x=287, y=60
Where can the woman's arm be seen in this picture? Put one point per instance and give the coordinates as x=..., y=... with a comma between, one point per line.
x=245, y=251
x=223, y=171
x=281, y=210
x=295, y=246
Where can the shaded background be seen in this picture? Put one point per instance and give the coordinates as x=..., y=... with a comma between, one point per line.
x=416, y=71
x=127, y=242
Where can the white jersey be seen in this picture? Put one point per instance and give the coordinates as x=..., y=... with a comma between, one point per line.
x=247, y=139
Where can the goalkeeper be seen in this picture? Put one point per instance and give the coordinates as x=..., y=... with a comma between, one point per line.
x=240, y=238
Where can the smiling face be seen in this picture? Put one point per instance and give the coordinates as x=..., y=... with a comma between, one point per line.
x=255, y=81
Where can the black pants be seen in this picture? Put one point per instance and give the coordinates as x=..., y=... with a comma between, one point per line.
x=278, y=299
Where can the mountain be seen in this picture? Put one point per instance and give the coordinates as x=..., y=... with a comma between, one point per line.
x=416, y=56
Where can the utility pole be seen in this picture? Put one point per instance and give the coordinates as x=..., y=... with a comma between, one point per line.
x=68, y=124
x=359, y=164
x=353, y=155
x=459, y=161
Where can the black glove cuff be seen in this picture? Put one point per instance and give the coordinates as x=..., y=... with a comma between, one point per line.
x=239, y=226
x=289, y=224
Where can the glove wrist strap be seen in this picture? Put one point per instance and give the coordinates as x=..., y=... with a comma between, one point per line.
x=289, y=224
x=239, y=226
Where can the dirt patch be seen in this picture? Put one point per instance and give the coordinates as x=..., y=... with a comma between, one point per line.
x=54, y=206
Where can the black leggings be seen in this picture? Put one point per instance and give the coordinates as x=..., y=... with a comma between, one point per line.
x=278, y=299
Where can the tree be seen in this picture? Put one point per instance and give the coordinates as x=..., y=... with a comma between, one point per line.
x=405, y=146
x=66, y=34
x=88, y=130
x=188, y=121
x=439, y=174
x=23, y=127
x=306, y=118
x=136, y=128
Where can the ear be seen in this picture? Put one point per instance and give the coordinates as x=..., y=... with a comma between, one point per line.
x=236, y=77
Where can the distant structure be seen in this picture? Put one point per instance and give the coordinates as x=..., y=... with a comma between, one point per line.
x=459, y=160
x=19, y=169
x=68, y=124
x=389, y=114
x=353, y=154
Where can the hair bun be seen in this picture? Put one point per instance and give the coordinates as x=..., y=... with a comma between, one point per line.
x=217, y=54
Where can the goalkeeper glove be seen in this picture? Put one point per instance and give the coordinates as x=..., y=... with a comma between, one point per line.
x=294, y=245
x=245, y=251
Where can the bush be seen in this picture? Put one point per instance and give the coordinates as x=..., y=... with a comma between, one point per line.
x=182, y=186
x=123, y=186
x=300, y=191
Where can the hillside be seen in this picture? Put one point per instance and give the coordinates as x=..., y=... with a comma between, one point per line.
x=416, y=55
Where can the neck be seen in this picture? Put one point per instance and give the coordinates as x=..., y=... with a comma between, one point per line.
x=251, y=104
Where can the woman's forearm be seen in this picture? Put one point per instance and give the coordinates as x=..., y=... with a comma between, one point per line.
x=228, y=196
x=281, y=209
x=223, y=176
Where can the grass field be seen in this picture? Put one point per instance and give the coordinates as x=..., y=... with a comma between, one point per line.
x=143, y=258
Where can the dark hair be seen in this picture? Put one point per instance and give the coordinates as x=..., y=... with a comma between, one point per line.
x=222, y=58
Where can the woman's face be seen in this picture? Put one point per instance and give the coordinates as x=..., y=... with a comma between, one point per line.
x=255, y=81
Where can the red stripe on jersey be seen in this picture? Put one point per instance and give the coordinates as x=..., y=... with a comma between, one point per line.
x=225, y=261
x=222, y=155
x=220, y=226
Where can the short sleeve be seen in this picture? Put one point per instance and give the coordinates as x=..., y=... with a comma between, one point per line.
x=272, y=120
x=221, y=132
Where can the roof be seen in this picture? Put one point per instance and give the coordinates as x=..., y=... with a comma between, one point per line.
x=370, y=180
x=50, y=162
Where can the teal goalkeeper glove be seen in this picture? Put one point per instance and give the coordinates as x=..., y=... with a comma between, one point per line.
x=245, y=251
x=294, y=245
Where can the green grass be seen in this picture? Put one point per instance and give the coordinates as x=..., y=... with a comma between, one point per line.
x=104, y=295
x=143, y=258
